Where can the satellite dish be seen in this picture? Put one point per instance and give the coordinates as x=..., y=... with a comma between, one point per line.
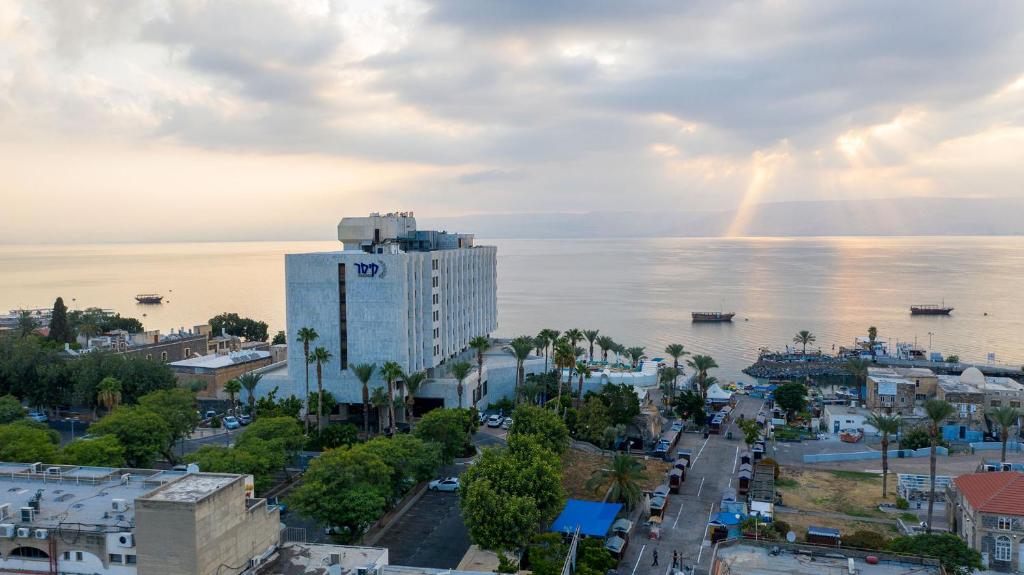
x=791, y=537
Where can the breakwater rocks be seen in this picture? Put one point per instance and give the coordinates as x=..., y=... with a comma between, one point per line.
x=790, y=370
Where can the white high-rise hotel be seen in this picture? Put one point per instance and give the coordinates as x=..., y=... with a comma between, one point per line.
x=394, y=293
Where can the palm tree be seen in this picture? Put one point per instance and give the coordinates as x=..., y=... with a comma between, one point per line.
x=531, y=391
x=702, y=364
x=108, y=393
x=546, y=337
x=539, y=345
x=668, y=380
x=379, y=399
x=675, y=351
x=573, y=335
x=625, y=475
x=520, y=348
x=591, y=335
x=872, y=337
x=249, y=381
x=635, y=354
x=307, y=335
x=363, y=372
x=583, y=369
x=481, y=344
x=391, y=372
x=319, y=356
x=232, y=387
x=460, y=370
x=413, y=382
x=565, y=358
x=1005, y=417
x=89, y=330
x=886, y=425
x=937, y=411
x=606, y=343
x=26, y=323
x=858, y=368
x=804, y=337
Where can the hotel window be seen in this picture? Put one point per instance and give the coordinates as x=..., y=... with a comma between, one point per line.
x=1014, y=404
x=433, y=265
x=116, y=558
x=1004, y=523
x=188, y=352
x=1004, y=548
x=163, y=356
x=437, y=315
x=996, y=403
x=129, y=559
x=433, y=281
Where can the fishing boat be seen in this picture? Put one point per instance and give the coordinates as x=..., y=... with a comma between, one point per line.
x=712, y=316
x=930, y=309
x=149, y=298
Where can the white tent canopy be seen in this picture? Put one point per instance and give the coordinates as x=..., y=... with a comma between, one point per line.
x=716, y=393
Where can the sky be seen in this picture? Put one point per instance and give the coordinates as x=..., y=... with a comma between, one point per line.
x=152, y=120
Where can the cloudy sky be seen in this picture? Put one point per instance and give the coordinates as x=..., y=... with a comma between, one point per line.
x=167, y=119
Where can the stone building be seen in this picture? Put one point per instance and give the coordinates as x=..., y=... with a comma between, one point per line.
x=214, y=370
x=987, y=511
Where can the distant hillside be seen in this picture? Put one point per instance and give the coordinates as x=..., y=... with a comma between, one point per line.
x=915, y=217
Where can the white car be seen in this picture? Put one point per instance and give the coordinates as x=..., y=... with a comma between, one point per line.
x=507, y=424
x=231, y=422
x=446, y=484
x=38, y=416
x=494, y=421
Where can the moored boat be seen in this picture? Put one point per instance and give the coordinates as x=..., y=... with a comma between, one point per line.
x=149, y=298
x=930, y=309
x=712, y=316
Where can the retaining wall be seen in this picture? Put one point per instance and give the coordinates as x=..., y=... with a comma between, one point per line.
x=862, y=455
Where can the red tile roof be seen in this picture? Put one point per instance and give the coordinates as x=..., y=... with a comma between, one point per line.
x=994, y=492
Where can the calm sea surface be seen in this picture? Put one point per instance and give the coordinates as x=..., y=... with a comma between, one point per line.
x=639, y=291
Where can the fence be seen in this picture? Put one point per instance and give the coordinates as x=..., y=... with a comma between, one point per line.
x=1011, y=446
x=863, y=455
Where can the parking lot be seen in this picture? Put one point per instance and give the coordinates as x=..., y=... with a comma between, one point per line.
x=430, y=534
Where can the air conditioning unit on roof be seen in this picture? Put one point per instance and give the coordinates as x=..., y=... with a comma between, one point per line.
x=24, y=532
x=42, y=534
x=7, y=530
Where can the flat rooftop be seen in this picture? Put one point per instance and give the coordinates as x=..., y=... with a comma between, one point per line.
x=757, y=558
x=216, y=361
x=192, y=487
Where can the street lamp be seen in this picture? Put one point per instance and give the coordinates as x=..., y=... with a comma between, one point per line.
x=72, y=420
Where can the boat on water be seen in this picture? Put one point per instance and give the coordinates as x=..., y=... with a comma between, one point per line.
x=930, y=309
x=149, y=298
x=712, y=316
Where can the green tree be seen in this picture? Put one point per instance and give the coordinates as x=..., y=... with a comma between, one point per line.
x=916, y=438
x=675, y=351
x=243, y=327
x=791, y=396
x=702, y=364
x=690, y=405
x=547, y=337
x=622, y=477
x=606, y=344
x=622, y=403
x=565, y=358
x=936, y=411
x=858, y=368
x=60, y=332
x=452, y=429
x=408, y=457
x=413, y=383
x=549, y=429
x=334, y=435
x=103, y=451
x=22, y=442
x=232, y=387
x=319, y=356
x=363, y=373
x=10, y=409
x=108, y=393
x=572, y=336
x=886, y=425
x=307, y=336
x=591, y=336
x=257, y=459
x=26, y=323
x=270, y=406
x=635, y=355
x=142, y=433
x=379, y=400
x=872, y=337
x=510, y=492
x=279, y=339
x=954, y=554
x=751, y=431
x=177, y=408
x=1004, y=417
x=460, y=370
x=864, y=539
x=249, y=381
x=804, y=337
x=952, y=359
x=392, y=372
x=480, y=344
x=520, y=348
x=592, y=421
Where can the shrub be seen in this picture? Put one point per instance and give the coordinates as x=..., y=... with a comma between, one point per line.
x=215, y=422
x=505, y=565
x=902, y=503
x=773, y=463
x=863, y=539
x=781, y=527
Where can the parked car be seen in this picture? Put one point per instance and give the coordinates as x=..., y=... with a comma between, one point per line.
x=494, y=421
x=231, y=422
x=38, y=416
x=482, y=417
x=210, y=414
x=445, y=484
x=244, y=419
x=507, y=423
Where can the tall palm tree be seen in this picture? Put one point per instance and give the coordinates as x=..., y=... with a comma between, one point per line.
x=606, y=343
x=573, y=335
x=232, y=387
x=675, y=351
x=520, y=348
x=379, y=399
x=872, y=337
x=546, y=337
x=307, y=335
x=625, y=475
x=319, y=356
x=363, y=372
x=1005, y=417
x=858, y=368
x=937, y=411
x=668, y=380
x=804, y=337
x=635, y=354
x=591, y=335
x=701, y=364
x=539, y=344
x=460, y=370
x=886, y=425
x=532, y=390
x=108, y=393
x=565, y=358
x=249, y=381
x=391, y=372
x=88, y=330
x=413, y=383
x=583, y=369
x=480, y=344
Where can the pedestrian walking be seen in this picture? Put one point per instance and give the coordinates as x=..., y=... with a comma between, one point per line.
x=675, y=560
x=655, y=564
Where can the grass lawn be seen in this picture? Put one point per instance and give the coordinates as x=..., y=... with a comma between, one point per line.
x=578, y=467
x=847, y=492
x=798, y=523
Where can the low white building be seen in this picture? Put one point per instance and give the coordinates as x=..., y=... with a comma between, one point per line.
x=838, y=418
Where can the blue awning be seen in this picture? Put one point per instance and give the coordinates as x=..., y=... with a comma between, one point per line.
x=592, y=517
x=822, y=531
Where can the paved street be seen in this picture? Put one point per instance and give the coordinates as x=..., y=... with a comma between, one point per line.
x=685, y=524
x=430, y=534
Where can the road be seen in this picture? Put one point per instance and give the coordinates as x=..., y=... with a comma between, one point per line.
x=685, y=525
